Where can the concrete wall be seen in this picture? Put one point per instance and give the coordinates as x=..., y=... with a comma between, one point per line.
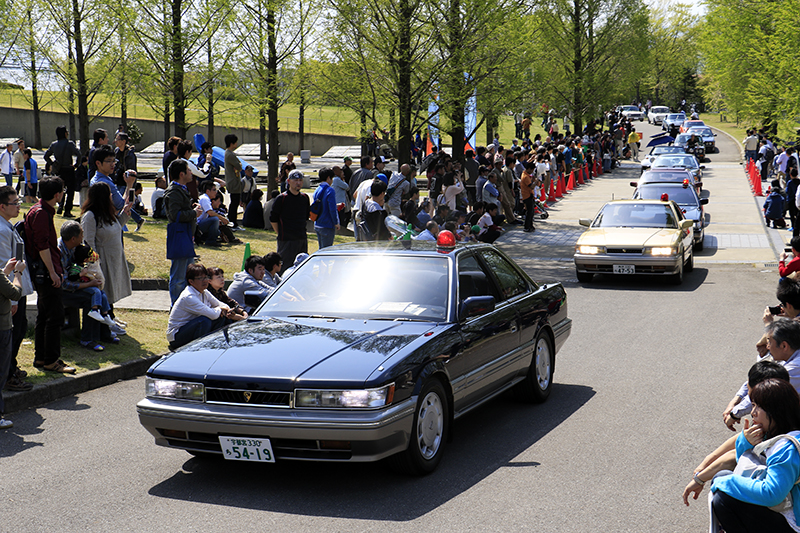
x=19, y=123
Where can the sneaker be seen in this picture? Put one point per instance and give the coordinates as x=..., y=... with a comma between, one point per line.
x=95, y=314
x=139, y=225
x=5, y=424
x=18, y=385
x=110, y=322
x=118, y=331
x=69, y=215
x=120, y=323
x=20, y=374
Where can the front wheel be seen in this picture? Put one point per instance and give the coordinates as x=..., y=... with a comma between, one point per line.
x=677, y=278
x=428, y=433
x=536, y=386
x=584, y=277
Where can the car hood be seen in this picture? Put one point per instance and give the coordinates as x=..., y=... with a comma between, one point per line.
x=629, y=237
x=692, y=213
x=280, y=354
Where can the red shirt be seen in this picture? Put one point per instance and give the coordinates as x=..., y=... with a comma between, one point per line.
x=793, y=266
x=40, y=233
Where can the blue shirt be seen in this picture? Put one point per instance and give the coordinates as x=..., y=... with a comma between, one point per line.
x=116, y=197
x=329, y=216
x=33, y=166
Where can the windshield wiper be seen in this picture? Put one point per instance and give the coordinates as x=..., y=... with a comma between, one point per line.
x=402, y=319
x=323, y=317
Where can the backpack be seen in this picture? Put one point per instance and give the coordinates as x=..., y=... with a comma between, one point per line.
x=315, y=210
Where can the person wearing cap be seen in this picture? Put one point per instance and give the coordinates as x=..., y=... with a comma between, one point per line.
x=379, y=166
x=346, y=170
x=327, y=223
x=288, y=217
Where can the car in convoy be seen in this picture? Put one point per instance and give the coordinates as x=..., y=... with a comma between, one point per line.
x=708, y=136
x=656, y=151
x=657, y=114
x=691, y=123
x=626, y=237
x=699, y=150
x=669, y=175
x=673, y=119
x=682, y=194
x=631, y=112
x=683, y=161
x=365, y=351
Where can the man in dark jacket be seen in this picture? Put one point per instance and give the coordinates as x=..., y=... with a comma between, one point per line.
x=63, y=150
x=288, y=217
x=179, y=208
x=327, y=223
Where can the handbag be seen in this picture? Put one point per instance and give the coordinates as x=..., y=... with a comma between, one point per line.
x=753, y=464
x=179, y=240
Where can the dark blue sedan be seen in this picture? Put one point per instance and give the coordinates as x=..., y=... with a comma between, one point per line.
x=365, y=351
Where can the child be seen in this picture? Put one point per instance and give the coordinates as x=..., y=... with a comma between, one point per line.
x=9, y=291
x=248, y=186
x=31, y=173
x=773, y=208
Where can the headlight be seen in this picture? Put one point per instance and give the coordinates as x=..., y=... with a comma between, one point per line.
x=178, y=390
x=590, y=250
x=664, y=250
x=347, y=399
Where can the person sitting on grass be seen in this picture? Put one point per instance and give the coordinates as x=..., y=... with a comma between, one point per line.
x=251, y=279
x=254, y=212
x=272, y=265
x=196, y=312
x=216, y=286
x=225, y=231
x=209, y=221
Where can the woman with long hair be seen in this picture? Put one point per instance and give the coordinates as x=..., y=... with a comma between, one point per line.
x=102, y=230
x=759, y=503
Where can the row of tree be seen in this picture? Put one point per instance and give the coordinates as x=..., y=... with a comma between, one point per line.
x=384, y=59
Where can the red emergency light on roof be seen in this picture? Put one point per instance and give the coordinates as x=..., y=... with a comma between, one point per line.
x=446, y=241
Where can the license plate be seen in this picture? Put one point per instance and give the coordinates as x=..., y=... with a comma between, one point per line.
x=624, y=269
x=247, y=449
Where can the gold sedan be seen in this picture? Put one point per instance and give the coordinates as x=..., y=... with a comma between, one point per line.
x=635, y=237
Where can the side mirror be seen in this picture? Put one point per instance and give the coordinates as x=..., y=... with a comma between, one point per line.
x=687, y=223
x=634, y=184
x=252, y=299
x=702, y=167
x=703, y=201
x=585, y=222
x=475, y=305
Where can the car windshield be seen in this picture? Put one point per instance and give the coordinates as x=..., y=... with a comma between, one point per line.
x=679, y=195
x=658, y=150
x=635, y=215
x=676, y=116
x=659, y=110
x=370, y=285
x=705, y=132
x=664, y=177
x=630, y=108
x=675, y=160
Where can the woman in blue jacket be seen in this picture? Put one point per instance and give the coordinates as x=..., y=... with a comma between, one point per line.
x=773, y=208
x=744, y=504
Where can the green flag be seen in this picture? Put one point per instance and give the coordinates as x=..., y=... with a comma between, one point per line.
x=246, y=254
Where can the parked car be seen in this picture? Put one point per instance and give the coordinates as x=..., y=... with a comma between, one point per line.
x=632, y=112
x=657, y=114
x=682, y=194
x=708, y=136
x=365, y=351
x=626, y=237
x=673, y=119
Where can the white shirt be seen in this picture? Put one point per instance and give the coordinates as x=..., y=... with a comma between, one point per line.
x=363, y=194
x=158, y=193
x=193, y=169
x=189, y=305
x=6, y=162
x=782, y=160
x=205, y=203
x=485, y=222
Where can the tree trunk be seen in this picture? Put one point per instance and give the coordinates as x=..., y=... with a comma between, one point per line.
x=37, y=126
x=272, y=98
x=404, y=109
x=262, y=132
x=210, y=136
x=167, y=123
x=577, y=65
x=70, y=90
x=80, y=71
x=178, y=98
x=364, y=132
x=301, y=118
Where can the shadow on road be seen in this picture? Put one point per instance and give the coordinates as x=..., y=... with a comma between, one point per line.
x=484, y=441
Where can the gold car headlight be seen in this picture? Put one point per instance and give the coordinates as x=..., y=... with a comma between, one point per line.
x=358, y=398
x=663, y=250
x=590, y=250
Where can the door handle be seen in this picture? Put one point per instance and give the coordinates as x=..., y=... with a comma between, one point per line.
x=513, y=328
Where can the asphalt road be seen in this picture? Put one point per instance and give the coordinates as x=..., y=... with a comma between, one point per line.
x=639, y=391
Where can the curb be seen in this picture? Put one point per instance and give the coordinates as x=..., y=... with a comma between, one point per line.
x=149, y=284
x=69, y=386
x=739, y=146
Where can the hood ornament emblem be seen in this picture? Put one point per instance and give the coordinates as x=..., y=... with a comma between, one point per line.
x=247, y=396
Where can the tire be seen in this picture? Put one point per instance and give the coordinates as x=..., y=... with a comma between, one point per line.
x=677, y=278
x=690, y=264
x=428, y=432
x=545, y=215
x=539, y=382
x=699, y=246
x=584, y=277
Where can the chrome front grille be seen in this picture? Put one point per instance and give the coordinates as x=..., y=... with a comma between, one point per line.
x=631, y=250
x=249, y=397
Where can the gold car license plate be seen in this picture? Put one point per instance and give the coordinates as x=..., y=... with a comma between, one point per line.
x=624, y=269
x=247, y=449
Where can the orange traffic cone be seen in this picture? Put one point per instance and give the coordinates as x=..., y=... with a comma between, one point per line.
x=560, y=189
x=551, y=196
x=580, y=176
x=757, y=187
x=571, y=182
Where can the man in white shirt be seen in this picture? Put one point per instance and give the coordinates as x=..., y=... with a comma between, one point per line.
x=7, y=164
x=430, y=233
x=209, y=220
x=750, y=145
x=196, y=312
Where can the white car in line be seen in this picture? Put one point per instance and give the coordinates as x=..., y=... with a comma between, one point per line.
x=657, y=114
x=632, y=112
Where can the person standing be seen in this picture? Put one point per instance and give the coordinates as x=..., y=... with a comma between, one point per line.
x=170, y=155
x=327, y=223
x=99, y=138
x=633, y=144
x=233, y=178
x=526, y=191
x=30, y=172
x=104, y=163
x=63, y=150
x=178, y=205
x=750, y=145
x=288, y=217
x=286, y=168
x=9, y=291
x=342, y=191
x=7, y=164
x=9, y=239
x=42, y=244
x=362, y=174
x=18, y=164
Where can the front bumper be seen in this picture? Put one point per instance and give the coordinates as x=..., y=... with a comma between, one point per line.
x=294, y=433
x=644, y=264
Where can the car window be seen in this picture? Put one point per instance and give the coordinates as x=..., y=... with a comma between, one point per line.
x=473, y=279
x=635, y=215
x=511, y=283
x=679, y=195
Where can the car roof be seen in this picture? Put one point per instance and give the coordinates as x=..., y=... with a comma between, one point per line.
x=659, y=107
x=637, y=201
x=665, y=175
x=412, y=247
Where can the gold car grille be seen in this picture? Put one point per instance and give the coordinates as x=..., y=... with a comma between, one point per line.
x=248, y=397
x=627, y=250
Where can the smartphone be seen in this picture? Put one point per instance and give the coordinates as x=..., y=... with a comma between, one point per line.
x=131, y=194
x=20, y=252
x=776, y=310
